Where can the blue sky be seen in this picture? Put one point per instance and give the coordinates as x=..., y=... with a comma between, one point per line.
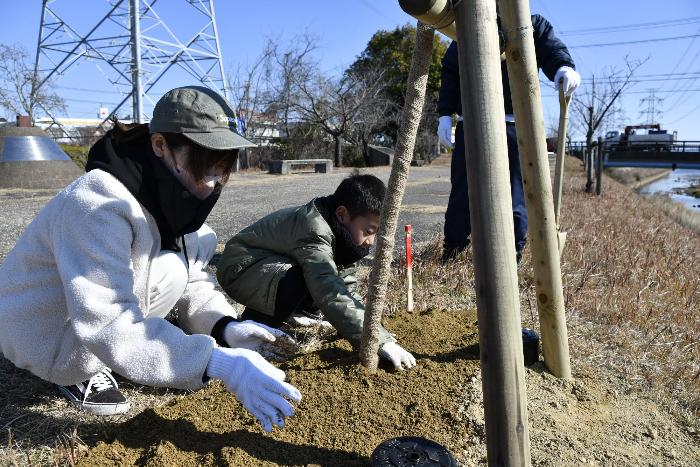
x=345, y=26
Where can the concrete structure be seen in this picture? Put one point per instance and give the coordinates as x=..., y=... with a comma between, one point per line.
x=285, y=166
x=30, y=159
x=379, y=155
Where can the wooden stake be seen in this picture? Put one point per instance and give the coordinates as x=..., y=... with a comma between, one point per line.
x=497, y=296
x=561, y=151
x=409, y=268
x=559, y=167
x=534, y=163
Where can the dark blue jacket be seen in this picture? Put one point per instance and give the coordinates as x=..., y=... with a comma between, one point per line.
x=550, y=51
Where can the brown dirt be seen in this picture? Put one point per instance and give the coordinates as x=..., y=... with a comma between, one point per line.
x=346, y=413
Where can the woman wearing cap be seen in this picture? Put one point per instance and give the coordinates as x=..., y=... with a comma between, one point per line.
x=88, y=285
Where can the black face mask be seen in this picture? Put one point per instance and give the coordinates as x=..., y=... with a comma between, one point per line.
x=346, y=251
x=182, y=212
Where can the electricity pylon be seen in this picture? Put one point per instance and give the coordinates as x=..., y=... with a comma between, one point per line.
x=133, y=48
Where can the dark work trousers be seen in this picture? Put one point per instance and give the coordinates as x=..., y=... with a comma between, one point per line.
x=292, y=297
x=457, y=223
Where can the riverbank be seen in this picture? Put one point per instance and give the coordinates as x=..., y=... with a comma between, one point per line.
x=683, y=211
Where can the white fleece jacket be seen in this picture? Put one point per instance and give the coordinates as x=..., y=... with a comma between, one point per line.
x=74, y=294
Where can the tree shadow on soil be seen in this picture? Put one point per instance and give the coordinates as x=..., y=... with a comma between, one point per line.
x=33, y=413
x=470, y=352
x=148, y=430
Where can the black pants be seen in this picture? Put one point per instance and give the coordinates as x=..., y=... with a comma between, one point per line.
x=457, y=223
x=292, y=297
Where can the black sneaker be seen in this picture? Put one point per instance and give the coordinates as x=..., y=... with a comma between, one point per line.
x=100, y=395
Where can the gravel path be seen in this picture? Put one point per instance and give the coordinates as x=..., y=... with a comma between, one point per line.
x=250, y=196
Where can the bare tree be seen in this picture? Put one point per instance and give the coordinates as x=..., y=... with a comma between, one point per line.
x=252, y=93
x=373, y=110
x=596, y=103
x=327, y=103
x=19, y=90
x=351, y=107
x=294, y=64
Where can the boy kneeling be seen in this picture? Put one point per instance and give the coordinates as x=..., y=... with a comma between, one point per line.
x=303, y=258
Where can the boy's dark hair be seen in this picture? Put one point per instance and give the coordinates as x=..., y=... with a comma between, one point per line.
x=361, y=195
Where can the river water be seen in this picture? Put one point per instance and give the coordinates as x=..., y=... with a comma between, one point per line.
x=674, y=184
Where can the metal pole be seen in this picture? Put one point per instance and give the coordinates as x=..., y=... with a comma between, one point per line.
x=493, y=238
x=136, y=91
x=218, y=53
x=534, y=163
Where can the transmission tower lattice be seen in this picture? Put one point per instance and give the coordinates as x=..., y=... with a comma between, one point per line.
x=652, y=111
x=133, y=48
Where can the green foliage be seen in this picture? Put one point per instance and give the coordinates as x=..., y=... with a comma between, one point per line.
x=78, y=154
x=392, y=51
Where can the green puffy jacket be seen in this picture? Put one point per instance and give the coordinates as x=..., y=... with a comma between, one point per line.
x=256, y=259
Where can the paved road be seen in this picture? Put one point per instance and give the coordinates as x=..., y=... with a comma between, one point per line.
x=251, y=196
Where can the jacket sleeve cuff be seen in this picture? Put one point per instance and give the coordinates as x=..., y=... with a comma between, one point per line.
x=217, y=331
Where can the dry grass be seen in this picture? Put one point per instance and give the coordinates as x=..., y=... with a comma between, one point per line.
x=635, y=177
x=632, y=291
x=680, y=213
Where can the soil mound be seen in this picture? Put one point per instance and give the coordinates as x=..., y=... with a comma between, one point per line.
x=346, y=413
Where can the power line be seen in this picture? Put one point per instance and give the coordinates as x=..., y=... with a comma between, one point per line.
x=627, y=92
x=610, y=44
x=632, y=27
x=643, y=80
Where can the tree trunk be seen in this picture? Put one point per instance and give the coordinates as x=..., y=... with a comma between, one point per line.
x=338, y=151
x=365, y=151
x=588, y=157
x=381, y=268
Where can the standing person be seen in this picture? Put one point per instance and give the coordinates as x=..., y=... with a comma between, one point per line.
x=88, y=285
x=301, y=261
x=554, y=59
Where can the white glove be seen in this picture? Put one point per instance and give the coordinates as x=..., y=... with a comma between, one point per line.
x=250, y=334
x=397, y=355
x=307, y=322
x=445, y=130
x=256, y=383
x=569, y=78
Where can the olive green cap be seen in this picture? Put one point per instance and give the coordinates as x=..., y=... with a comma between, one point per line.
x=201, y=115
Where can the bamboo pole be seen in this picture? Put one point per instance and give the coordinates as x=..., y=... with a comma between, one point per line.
x=409, y=267
x=381, y=267
x=529, y=122
x=498, y=305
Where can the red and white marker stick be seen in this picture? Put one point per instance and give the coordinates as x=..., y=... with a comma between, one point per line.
x=409, y=267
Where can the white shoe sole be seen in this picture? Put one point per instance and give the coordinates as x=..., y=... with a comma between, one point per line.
x=96, y=409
